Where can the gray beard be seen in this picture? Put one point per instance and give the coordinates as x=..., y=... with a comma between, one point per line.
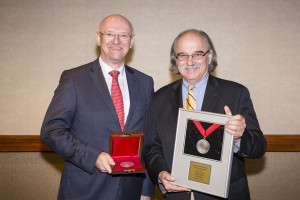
x=191, y=66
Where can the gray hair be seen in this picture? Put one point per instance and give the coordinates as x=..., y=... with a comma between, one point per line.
x=213, y=64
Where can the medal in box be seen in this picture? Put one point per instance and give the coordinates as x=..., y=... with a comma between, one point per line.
x=126, y=149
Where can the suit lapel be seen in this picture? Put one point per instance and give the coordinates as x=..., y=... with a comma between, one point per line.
x=210, y=98
x=176, y=98
x=133, y=89
x=99, y=81
x=211, y=94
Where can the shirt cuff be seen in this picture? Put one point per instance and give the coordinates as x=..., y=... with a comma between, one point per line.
x=236, y=147
x=161, y=187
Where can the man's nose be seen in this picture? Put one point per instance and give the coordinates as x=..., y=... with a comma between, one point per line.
x=116, y=39
x=190, y=60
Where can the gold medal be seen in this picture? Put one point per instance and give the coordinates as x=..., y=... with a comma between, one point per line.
x=126, y=164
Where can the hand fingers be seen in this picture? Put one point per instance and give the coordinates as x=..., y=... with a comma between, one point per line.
x=236, y=125
x=171, y=187
x=105, y=162
x=236, y=118
x=167, y=179
x=227, y=110
x=107, y=168
x=165, y=175
x=109, y=159
x=236, y=121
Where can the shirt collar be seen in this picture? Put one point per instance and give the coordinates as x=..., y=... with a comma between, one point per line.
x=201, y=83
x=106, y=68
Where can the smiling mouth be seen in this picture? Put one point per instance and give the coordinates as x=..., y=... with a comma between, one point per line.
x=116, y=48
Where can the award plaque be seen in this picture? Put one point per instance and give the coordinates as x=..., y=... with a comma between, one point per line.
x=203, y=152
x=126, y=148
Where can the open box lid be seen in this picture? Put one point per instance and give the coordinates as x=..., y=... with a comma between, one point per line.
x=126, y=149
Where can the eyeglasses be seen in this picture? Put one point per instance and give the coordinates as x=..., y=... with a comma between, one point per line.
x=110, y=36
x=196, y=56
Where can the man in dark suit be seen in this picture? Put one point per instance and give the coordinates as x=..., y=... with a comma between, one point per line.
x=90, y=102
x=194, y=57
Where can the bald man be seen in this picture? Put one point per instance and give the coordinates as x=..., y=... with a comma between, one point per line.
x=83, y=113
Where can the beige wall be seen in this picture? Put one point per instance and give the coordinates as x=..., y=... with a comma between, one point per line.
x=257, y=44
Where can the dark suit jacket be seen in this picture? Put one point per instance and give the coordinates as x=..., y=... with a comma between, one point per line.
x=161, y=129
x=78, y=124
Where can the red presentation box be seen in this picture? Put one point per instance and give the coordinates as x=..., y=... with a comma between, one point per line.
x=126, y=149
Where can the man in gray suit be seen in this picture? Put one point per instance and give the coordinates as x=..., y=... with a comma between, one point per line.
x=194, y=57
x=90, y=102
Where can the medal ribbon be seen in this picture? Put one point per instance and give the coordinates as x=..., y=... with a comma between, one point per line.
x=208, y=131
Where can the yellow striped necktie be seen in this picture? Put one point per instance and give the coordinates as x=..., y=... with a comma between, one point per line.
x=190, y=100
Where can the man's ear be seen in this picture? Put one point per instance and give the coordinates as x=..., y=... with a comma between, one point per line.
x=210, y=55
x=131, y=41
x=98, y=39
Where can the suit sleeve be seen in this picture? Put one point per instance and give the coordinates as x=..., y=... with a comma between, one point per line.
x=148, y=185
x=152, y=151
x=253, y=143
x=56, y=128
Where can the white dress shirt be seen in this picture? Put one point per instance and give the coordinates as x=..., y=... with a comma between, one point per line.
x=122, y=82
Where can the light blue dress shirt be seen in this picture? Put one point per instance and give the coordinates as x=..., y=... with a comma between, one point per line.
x=198, y=91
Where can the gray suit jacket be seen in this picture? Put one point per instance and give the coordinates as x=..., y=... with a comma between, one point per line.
x=78, y=124
x=161, y=129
